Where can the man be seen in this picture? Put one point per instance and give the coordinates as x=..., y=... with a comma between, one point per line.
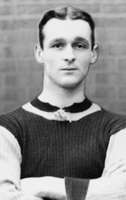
x=61, y=145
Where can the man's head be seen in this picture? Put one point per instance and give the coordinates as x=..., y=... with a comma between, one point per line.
x=67, y=47
x=63, y=13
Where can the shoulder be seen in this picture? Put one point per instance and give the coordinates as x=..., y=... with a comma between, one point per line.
x=16, y=120
x=113, y=122
x=17, y=117
x=11, y=119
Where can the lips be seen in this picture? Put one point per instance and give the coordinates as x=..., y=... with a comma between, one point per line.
x=69, y=69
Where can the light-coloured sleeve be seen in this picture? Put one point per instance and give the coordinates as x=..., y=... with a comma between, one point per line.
x=112, y=184
x=116, y=154
x=10, y=161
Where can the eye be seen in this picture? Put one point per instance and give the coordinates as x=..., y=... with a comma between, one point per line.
x=58, y=45
x=80, y=46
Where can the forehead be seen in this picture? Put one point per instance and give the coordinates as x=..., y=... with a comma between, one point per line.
x=66, y=29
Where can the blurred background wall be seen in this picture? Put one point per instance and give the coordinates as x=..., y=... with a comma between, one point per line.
x=21, y=76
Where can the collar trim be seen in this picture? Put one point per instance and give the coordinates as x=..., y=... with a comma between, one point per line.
x=59, y=116
x=74, y=108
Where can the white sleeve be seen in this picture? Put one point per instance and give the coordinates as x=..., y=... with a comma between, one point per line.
x=116, y=154
x=112, y=184
x=10, y=161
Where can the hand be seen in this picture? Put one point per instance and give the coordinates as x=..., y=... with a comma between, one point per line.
x=49, y=187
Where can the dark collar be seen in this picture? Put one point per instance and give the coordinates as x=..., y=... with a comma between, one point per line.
x=74, y=108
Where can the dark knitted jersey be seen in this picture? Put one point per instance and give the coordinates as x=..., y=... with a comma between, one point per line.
x=61, y=148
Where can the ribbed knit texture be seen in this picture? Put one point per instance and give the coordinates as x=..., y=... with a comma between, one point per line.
x=63, y=149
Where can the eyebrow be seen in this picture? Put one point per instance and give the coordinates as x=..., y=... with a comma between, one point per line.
x=81, y=39
x=57, y=40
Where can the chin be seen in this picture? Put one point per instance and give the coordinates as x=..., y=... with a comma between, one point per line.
x=70, y=85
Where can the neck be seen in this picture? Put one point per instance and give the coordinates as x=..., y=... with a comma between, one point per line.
x=62, y=97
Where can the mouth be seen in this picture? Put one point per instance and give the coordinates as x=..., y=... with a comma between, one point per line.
x=69, y=69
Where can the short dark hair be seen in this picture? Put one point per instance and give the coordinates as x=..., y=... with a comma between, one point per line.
x=63, y=13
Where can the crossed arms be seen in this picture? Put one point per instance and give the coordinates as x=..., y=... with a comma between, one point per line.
x=110, y=186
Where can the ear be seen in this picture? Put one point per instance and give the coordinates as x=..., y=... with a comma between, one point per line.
x=95, y=54
x=38, y=52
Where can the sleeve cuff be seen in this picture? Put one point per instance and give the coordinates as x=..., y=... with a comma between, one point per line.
x=76, y=189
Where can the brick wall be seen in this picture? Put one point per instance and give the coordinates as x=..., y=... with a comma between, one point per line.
x=21, y=76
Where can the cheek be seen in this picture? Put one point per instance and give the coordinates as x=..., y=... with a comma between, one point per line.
x=47, y=56
x=84, y=59
x=50, y=57
x=51, y=64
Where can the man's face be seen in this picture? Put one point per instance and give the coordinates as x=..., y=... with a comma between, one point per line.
x=67, y=52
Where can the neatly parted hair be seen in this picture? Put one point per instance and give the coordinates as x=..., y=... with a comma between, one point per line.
x=64, y=13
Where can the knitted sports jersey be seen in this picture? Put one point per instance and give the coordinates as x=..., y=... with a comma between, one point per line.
x=74, y=149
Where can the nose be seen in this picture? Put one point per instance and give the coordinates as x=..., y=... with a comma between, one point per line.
x=69, y=56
